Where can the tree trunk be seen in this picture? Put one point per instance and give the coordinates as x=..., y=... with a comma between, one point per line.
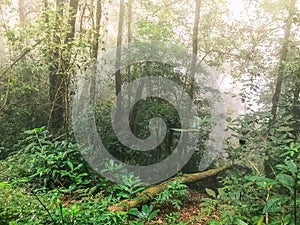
x=281, y=71
x=60, y=70
x=96, y=39
x=283, y=58
x=95, y=47
x=118, y=79
x=195, y=45
x=190, y=81
x=151, y=192
x=56, y=81
x=129, y=22
x=296, y=106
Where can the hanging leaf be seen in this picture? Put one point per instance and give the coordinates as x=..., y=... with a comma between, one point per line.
x=273, y=204
x=289, y=166
x=286, y=180
x=261, y=181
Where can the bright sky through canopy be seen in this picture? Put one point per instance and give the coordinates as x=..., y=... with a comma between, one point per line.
x=236, y=7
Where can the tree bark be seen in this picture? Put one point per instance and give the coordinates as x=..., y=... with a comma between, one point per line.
x=56, y=81
x=118, y=79
x=59, y=69
x=151, y=192
x=129, y=22
x=282, y=59
x=195, y=45
x=96, y=40
x=95, y=47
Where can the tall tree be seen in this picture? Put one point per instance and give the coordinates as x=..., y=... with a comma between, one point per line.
x=118, y=79
x=283, y=58
x=195, y=44
x=60, y=67
x=129, y=21
x=96, y=28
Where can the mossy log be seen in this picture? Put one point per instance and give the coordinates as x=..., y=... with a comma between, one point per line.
x=151, y=192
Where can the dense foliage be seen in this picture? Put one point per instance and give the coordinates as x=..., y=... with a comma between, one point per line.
x=253, y=51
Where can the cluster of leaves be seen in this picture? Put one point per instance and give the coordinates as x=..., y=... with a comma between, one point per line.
x=47, y=182
x=46, y=163
x=146, y=214
x=52, y=178
x=242, y=200
x=282, y=199
x=146, y=109
x=263, y=185
x=19, y=206
x=174, y=194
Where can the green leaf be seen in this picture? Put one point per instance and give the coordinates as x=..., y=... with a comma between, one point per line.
x=211, y=192
x=138, y=190
x=273, y=204
x=285, y=129
x=261, y=181
x=214, y=222
x=4, y=184
x=153, y=214
x=286, y=180
x=145, y=208
x=70, y=164
x=133, y=211
x=240, y=222
x=123, y=195
x=221, y=192
x=291, y=165
x=24, y=180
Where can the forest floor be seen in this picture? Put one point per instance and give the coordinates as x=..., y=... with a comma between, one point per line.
x=190, y=211
x=193, y=210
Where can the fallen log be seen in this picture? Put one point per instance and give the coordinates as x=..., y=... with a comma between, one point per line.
x=151, y=192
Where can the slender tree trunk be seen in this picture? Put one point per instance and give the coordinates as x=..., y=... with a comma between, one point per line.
x=60, y=69
x=56, y=81
x=296, y=106
x=68, y=64
x=95, y=47
x=133, y=115
x=191, y=79
x=195, y=45
x=118, y=79
x=96, y=40
x=129, y=22
x=129, y=34
x=280, y=76
x=283, y=58
x=74, y=8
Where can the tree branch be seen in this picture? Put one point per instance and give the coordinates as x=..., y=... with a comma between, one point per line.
x=19, y=58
